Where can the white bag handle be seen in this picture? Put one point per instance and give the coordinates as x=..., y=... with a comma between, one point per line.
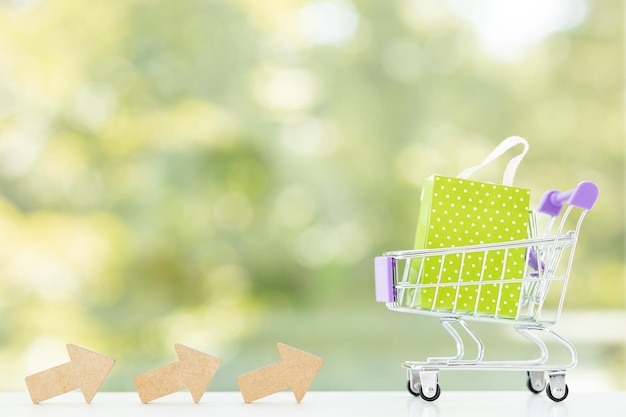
x=505, y=145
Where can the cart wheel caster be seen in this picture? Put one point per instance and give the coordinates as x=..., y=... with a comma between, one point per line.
x=536, y=382
x=431, y=397
x=557, y=396
x=409, y=388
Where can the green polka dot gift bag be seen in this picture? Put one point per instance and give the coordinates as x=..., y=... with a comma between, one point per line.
x=459, y=212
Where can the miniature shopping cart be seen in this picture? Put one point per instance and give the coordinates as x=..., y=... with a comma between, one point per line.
x=531, y=302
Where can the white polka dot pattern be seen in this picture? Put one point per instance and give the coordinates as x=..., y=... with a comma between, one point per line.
x=456, y=212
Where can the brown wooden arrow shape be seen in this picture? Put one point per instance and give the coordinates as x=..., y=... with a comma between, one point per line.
x=296, y=370
x=194, y=370
x=85, y=370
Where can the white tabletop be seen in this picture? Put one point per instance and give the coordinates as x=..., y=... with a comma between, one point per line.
x=327, y=404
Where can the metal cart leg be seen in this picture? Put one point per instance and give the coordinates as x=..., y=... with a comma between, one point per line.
x=447, y=323
x=526, y=332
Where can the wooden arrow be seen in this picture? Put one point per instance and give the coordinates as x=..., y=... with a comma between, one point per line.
x=296, y=370
x=85, y=370
x=194, y=370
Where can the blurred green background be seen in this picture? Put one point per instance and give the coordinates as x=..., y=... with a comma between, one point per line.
x=222, y=173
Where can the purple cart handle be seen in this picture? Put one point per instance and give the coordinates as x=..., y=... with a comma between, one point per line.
x=583, y=196
x=383, y=268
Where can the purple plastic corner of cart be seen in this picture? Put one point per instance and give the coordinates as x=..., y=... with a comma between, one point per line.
x=383, y=274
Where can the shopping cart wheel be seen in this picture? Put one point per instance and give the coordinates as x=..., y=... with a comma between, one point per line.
x=557, y=396
x=536, y=381
x=430, y=396
x=409, y=388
